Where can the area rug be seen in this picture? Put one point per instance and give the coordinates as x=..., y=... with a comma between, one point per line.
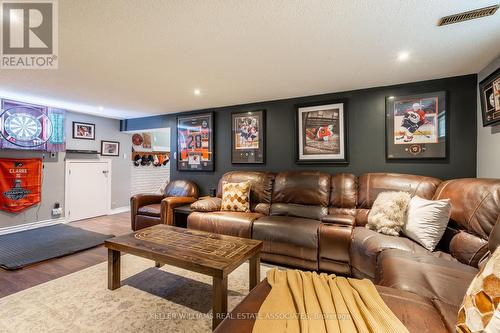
x=23, y=248
x=166, y=299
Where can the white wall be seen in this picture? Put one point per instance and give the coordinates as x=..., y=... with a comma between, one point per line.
x=488, y=138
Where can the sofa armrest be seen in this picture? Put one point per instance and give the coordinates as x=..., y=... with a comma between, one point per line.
x=339, y=219
x=207, y=204
x=167, y=207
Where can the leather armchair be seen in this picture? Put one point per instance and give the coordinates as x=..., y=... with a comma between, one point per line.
x=149, y=209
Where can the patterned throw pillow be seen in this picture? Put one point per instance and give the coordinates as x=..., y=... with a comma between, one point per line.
x=480, y=310
x=236, y=197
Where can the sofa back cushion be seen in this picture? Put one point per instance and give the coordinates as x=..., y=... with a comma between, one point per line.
x=301, y=193
x=343, y=194
x=475, y=208
x=371, y=184
x=181, y=188
x=261, y=185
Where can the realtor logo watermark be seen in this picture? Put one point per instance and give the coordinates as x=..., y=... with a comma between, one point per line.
x=29, y=34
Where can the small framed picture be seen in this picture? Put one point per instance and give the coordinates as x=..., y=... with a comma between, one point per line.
x=110, y=148
x=489, y=90
x=322, y=133
x=84, y=131
x=416, y=126
x=248, y=137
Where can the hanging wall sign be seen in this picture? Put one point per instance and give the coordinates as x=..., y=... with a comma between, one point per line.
x=20, y=183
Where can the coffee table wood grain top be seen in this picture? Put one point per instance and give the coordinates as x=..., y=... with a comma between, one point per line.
x=198, y=251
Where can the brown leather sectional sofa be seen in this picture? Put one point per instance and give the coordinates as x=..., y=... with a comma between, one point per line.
x=315, y=221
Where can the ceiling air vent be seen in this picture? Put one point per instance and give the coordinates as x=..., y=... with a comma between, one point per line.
x=473, y=14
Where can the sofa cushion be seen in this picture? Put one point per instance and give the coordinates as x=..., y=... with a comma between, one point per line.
x=150, y=210
x=367, y=244
x=424, y=274
x=261, y=184
x=344, y=191
x=371, y=184
x=302, y=187
x=226, y=223
x=236, y=197
x=415, y=312
x=448, y=313
x=286, y=235
x=388, y=213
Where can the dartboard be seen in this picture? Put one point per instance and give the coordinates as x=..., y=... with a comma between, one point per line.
x=26, y=127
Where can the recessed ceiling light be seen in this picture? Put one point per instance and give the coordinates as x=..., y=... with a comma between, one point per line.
x=101, y=108
x=197, y=92
x=402, y=56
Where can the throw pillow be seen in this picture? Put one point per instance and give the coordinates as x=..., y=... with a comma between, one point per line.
x=388, y=213
x=426, y=221
x=480, y=309
x=236, y=197
x=207, y=204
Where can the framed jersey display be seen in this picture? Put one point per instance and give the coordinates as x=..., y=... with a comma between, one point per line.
x=489, y=90
x=31, y=127
x=416, y=126
x=248, y=131
x=195, y=142
x=322, y=133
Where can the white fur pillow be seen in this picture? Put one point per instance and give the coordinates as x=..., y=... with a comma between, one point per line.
x=388, y=213
x=427, y=221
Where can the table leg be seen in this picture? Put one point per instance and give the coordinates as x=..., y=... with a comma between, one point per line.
x=254, y=270
x=219, y=300
x=158, y=264
x=113, y=269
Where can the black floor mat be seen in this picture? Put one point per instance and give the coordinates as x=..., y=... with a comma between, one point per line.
x=24, y=248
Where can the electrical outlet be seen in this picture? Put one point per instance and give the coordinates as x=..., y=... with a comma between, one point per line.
x=57, y=211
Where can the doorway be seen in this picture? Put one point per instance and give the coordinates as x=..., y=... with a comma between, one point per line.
x=87, y=189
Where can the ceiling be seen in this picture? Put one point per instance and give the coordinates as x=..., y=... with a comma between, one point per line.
x=137, y=58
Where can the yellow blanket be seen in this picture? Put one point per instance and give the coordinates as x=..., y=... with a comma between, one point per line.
x=310, y=303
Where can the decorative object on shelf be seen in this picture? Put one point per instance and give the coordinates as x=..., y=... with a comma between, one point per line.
x=146, y=142
x=137, y=139
x=83, y=131
x=248, y=139
x=31, y=127
x=416, y=126
x=489, y=90
x=110, y=148
x=195, y=142
x=20, y=183
x=322, y=133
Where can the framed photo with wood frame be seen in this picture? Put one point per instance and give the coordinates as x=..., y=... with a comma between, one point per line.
x=195, y=142
x=489, y=90
x=248, y=137
x=321, y=133
x=416, y=126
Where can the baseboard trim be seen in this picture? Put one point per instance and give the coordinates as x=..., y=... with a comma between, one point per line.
x=119, y=210
x=32, y=225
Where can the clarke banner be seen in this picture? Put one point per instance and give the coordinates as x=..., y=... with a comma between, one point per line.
x=20, y=183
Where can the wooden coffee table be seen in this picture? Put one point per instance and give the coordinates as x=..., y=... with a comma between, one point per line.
x=211, y=254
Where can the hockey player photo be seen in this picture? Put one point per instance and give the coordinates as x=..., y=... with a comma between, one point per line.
x=415, y=121
x=247, y=132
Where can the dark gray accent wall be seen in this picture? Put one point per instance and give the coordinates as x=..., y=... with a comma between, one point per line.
x=366, y=112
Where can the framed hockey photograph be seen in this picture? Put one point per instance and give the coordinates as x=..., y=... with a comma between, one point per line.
x=489, y=90
x=84, y=131
x=322, y=133
x=195, y=142
x=110, y=148
x=416, y=126
x=248, y=137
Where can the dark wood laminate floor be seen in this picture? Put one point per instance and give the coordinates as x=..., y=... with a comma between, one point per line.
x=14, y=281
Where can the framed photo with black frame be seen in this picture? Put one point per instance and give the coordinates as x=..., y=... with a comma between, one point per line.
x=195, y=142
x=489, y=90
x=83, y=131
x=322, y=133
x=417, y=126
x=248, y=137
x=110, y=148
